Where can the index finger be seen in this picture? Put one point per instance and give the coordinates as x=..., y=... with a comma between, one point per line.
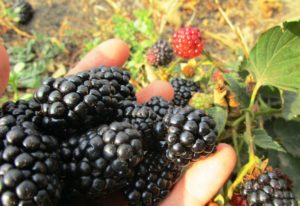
x=4, y=69
x=113, y=52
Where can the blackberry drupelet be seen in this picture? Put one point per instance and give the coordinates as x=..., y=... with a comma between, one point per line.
x=183, y=90
x=271, y=188
x=88, y=98
x=24, y=10
x=190, y=134
x=153, y=180
x=101, y=160
x=160, y=54
x=23, y=111
x=28, y=165
x=142, y=118
x=159, y=105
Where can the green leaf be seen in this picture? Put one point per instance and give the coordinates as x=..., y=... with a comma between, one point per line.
x=238, y=89
x=288, y=133
x=220, y=116
x=263, y=140
x=291, y=105
x=275, y=59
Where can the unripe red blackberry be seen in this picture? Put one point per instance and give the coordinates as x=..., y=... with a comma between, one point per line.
x=154, y=179
x=84, y=99
x=160, y=54
x=187, y=42
x=270, y=188
x=101, y=160
x=183, y=90
x=29, y=165
x=190, y=134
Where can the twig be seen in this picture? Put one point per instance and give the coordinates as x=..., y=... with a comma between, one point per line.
x=172, y=5
x=235, y=29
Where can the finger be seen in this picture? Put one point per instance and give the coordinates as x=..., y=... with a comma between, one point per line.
x=156, y=88
x=204, y=179
x=4, y=69
x=113, y=52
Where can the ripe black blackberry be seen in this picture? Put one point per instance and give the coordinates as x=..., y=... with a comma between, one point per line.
x=24, y=10
x=23, y=111
x=82, y=100
x=101, y=160
x=183, y=91
x=271, y=188
x=154, y=179
x=28, y=165
x=190, y=134
x=143, y=119
x=159, y=105
x=160, y=54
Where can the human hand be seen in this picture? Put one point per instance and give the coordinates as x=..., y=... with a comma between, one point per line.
x=203, y=179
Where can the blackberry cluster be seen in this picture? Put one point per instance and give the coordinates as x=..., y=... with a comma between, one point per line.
x=143, y=119
x=160, y=54
x=183, y=90
x=103, y=141
x=29, y=172
x=272, y=188
x=24, y=10
x=101, y=160
x=159, y=105
x=83, y=99
x=190, y=134
x=154, y=178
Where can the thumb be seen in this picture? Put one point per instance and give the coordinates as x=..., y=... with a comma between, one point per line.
x=203, y=179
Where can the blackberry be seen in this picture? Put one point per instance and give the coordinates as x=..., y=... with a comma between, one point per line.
x=24, y=10
x=159, y=105
x=269, y=188
x=29, y=172
x=23, y=111
x=183, y=90
x=153, y=180
x=143, y=119
x=101, y=160
x=190, y=134
x=160, y=54
x=85, y=99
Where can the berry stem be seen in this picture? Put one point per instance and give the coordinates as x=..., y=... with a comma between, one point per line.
x=241, y=176
x=249, y=114
x=249, y=137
